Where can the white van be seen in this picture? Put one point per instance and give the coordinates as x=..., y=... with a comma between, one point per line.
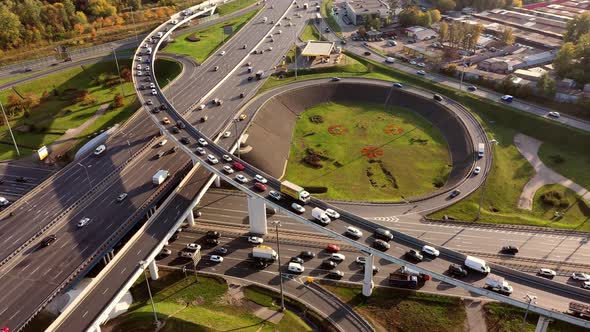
x=477, y=264
x=296, y=267
x=265, y=19
x=99, y=149
x=163, y=142
x=390, y=60
x=160, y=34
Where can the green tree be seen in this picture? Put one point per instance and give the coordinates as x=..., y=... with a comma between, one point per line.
x=445, y=5
x=564, y=60
x=9, y=28
x=507, y=36
x=410, y=16
x=425, y=20
x=434, y=15
x=576, y=27
x=29, y=12
x=546, y=86
x=101, y=8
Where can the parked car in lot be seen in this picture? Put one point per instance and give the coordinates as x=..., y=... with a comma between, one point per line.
x=328, y=264
x=296, y=259
x=335, y=274
x=307, y=254
x=216, y=259
x=213, y=234
x=193, y=246
x=337, y=258
x=220, y=251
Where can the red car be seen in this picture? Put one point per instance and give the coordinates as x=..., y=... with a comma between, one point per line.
x=238, y=166
x=260, y=187
x=333, y=248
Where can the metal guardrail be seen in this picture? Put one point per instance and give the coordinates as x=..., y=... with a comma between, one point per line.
x=83, y=199
x=117, y=235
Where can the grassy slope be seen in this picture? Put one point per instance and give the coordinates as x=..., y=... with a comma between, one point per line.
x=194, y=306
x=511, y=171
x=396, y=310
x=414, y=166
x=326, y=11
x=504, y=318
x=210, y=39
x=310, y=33
x=234, y=6
x=574, y=166
x=52, y=114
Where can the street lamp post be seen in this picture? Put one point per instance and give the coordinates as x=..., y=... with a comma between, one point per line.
x=9, y=129
x=119, y=72
x=171, y=95
x=87, y=176
x=529, y=298
x=133, y=21
x=237, y=137
x=463, y=66
x=143, y=265
x=485, y=181
x=277, y=223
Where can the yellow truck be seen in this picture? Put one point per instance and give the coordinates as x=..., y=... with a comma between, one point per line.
x=294, y=191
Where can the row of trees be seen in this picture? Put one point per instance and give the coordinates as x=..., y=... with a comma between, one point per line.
x=460, y=35
x=446, y=5
x=573, y=59
x=25, y=22
x=411, y=16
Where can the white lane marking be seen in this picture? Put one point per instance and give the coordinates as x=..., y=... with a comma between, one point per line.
x=386, y=219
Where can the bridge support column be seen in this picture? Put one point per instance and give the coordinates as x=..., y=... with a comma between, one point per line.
x=94, y=328
x=368, y=280
x=543, y=323
x=257, y=215
x=190, y=219
x=217, y=181
x=153, y=270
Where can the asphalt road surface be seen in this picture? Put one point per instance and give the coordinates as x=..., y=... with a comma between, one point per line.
x=11, y=185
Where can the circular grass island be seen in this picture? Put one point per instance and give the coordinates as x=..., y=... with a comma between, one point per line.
x=366, y=152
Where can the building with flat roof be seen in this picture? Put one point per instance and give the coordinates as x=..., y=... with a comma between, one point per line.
x=501, y=65
x=357, y=10
x=318, y=48
x=420, y=33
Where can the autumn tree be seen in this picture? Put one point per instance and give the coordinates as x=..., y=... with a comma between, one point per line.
x=118, y=100
x=507, y=36
x=443, y=31
x=434, y=15
x=445, y=5
x=576, y=27
x=546, y=86
x=126, y=75
x=9, y=28
x=101, y=8
x=564, y=59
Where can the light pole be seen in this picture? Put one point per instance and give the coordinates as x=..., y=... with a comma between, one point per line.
x=485, y=181
x=87, y=176
x=143, y=265
x=119, y=72
x=237, y=136
x=129, y=149
x=277, y=223
x=9, y=129
x=529, y=298
x=463, y=66
x=171, y=95
x=133, y=21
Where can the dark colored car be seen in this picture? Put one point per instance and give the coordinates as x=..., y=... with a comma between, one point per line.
x=414, y=255
x=329, y=264
x=212, y=242
x=163, y=107
x=173, y=238
x=173, y=149
x=260, y=187
x=383, y=234
x=455, y=193
x=185, y=140
x=260, y=264
x=48, y=240
x=175, y=130
x=381, y=245
x=335, y=274
x=204, y=118
x=456, y=270
x=213, y=234
x=220, y=251
x=307, y=254
x=180, y=125
x=471, y=88
x=511, y=250
x=297, y=260
x=156, y=110
x=22, y=179
x=242, y=95
x=367, y=53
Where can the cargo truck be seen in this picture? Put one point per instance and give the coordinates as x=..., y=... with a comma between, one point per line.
x=480, y=149
x=320, y=215
x=402, y=280
x=294, y=191
x=498, y=285
x=264, y=253
x=160, y=177
x=579, y=309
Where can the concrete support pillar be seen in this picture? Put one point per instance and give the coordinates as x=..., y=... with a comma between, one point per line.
x=368, y=280
x=217, y=181
x=94, y=328
x=190, y=219
x=257, y=215
x=542, y=324
x=153, y=270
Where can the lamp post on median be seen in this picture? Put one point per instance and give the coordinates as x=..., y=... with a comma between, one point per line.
x=119, y=72
x=133, y=21
x=529, y=298
x=9, y=129
x=143, y=265
x=87, y=176
x=485, y=181
x=277, y=223
x=237, y=136
x=463, y=65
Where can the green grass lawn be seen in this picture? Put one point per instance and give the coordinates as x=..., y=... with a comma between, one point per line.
x=504, y=318
x=211, y=38
x=510, y=170
x=310, y=33
x=59, y=110
x=397, y=310
x=410, y=159
x=234, y=6
x=187, y=305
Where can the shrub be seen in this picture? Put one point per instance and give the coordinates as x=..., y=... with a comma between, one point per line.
x=316, y=119
x=555, y=199
x=118, y=100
